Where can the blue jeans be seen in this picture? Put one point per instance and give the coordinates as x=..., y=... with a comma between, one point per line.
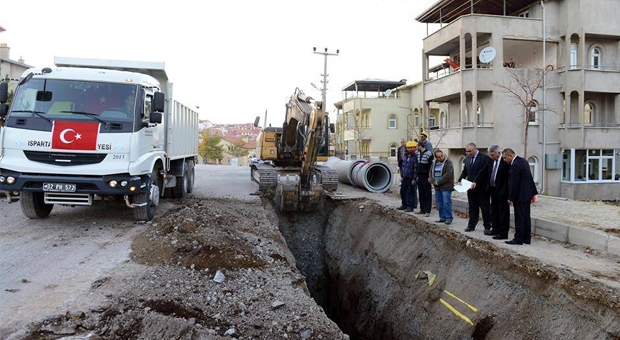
x=443, y=199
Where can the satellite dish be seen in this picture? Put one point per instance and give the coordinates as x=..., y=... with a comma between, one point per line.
x=487, y=55
x=388, y=92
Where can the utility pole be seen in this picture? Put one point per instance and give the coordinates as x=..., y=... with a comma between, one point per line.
x=324, y=81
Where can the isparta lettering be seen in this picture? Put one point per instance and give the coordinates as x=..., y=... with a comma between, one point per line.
x=40, y=143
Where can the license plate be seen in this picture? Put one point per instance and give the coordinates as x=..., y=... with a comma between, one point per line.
x=59, y=187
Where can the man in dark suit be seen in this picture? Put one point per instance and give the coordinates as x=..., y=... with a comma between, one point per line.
x=477, y=170
x=498, y=188
x=521, y=192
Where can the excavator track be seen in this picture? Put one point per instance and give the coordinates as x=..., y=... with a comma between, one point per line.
x=329, y=177
x=265, y=175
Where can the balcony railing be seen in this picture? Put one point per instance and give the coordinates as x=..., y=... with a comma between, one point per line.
x=577, y=125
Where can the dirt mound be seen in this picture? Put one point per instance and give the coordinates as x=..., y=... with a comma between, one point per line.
x=217, y=269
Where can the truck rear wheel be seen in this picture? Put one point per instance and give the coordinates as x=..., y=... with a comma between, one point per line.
x=151, y=197
x=33, y=205
x=180, y=189
x=191, y=173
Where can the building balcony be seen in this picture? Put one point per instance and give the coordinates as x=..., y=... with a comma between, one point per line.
x=457, y=136
x=593, y=80
x=363, y=133
x=590, y=136
x=451, y=85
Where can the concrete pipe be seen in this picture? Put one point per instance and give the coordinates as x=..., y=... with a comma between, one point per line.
x=374, y=176
x=343, y=168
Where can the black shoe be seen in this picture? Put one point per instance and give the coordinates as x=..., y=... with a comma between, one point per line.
x=408, y=210
x=488, y=232
x=514, y=241
x=500, y=237
x=527, y=242
x=440, y=221
x=468, y=229
x=402, y=207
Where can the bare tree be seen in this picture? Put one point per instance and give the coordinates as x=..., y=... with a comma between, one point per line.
x=522, y=85
x=444, y=132
x=359, y=133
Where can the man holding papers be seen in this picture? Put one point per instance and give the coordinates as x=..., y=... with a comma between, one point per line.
x=477, y=170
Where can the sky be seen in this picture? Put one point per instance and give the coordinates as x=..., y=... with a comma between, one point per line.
x=234, y=60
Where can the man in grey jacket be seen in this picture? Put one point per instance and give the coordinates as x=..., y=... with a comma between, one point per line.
x=442, y=179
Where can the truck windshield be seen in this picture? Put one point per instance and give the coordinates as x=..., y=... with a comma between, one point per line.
x=62, y=99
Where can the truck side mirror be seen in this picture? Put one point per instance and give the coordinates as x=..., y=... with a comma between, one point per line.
x=159, y=102
x=4, y=92
x=157, y=108
x=256, y=121
x=332, y=128
x=4, y=109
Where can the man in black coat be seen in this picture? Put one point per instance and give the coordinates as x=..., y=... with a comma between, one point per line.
x=477, y=170
x=401, y=152
x=521, y=192
x=498, y=189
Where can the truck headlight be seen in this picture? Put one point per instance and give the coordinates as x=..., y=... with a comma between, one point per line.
x=2, y=179
x=124, y=183
x=112, y=183
x=10, y=180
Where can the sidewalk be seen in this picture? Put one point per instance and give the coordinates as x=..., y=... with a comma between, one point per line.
x=590, y=224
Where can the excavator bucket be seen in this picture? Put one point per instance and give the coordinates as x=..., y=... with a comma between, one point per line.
x=287, y=193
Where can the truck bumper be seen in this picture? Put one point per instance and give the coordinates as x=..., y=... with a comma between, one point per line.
x=90, y=185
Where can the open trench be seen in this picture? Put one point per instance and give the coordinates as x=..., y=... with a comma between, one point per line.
x=381, y=274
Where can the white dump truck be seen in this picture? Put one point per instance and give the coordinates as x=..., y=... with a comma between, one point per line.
x=90, y=130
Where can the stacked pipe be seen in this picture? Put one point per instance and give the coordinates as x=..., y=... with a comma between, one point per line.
x=374, y=176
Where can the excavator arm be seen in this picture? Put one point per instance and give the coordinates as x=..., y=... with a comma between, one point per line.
x=310, y=127
x=298, y=181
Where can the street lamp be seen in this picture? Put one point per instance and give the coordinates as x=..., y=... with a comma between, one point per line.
x=324, y=81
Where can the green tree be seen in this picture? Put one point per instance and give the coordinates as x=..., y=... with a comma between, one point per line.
x=238, y=150
x=210, y=147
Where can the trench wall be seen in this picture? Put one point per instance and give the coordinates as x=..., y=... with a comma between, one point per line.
x=369, y=268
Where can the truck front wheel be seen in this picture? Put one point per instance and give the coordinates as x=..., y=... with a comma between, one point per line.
x=151, y=197
x=34, y=206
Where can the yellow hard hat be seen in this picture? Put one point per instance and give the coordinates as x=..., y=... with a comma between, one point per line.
x=411, y=144
x=424, y=133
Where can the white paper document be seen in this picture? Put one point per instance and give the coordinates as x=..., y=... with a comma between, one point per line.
x=464, y=186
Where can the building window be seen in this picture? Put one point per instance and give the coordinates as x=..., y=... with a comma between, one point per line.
x=416, y=120
x=591, y=165
x=479, y=115
x=432, y=120
x=573, y=56
x=533, y=114
x=595, y=58
x=567, y=157
x=393, y=150
x=392, y=122
x=533, y=167
x=588, y=114
x=443, y=120
x=467, y=116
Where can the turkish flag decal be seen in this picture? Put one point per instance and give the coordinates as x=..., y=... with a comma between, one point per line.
x=75, y=135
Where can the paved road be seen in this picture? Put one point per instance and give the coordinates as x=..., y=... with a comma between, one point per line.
x=53, y=265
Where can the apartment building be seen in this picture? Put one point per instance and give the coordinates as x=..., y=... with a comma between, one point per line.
x=9, y=68
x=540, y=77
x=372, y=118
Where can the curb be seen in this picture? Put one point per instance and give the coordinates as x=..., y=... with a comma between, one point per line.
x=580, y=236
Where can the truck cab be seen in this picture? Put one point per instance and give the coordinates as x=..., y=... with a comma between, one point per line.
x=75, y=135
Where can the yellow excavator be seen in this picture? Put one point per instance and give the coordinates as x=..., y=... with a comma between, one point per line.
x=289, y=154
